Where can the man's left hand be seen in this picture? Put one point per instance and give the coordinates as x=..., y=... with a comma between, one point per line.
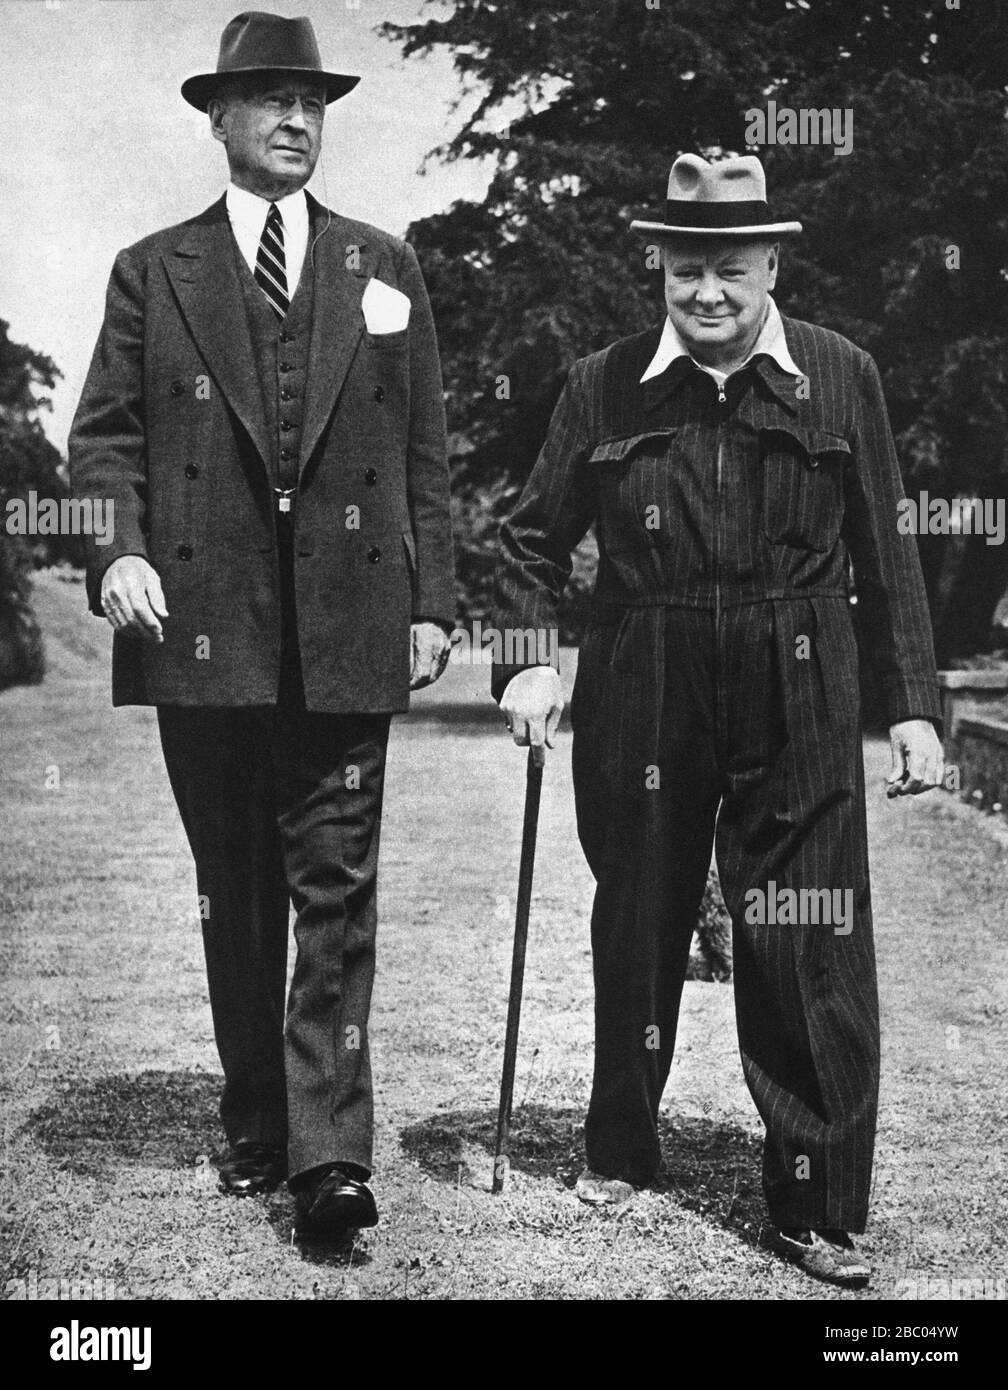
x=431, y=649
x=918, y=763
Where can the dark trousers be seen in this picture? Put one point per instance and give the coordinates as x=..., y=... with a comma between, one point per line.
x=760, y=750
x=283, y=806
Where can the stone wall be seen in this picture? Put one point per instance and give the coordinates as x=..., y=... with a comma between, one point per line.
x=975, y=712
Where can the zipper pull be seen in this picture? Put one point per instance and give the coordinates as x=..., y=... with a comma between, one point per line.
x=721, y=393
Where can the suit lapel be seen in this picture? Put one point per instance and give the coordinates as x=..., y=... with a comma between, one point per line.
x=204, y=276
x=342, y=270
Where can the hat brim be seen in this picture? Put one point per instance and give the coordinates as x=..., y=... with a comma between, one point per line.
x=199, y=90
x=764, y=229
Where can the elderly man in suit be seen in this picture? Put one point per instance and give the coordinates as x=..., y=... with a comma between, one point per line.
x=732, y=462
x=265, y=410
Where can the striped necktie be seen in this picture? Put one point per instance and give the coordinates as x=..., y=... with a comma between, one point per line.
x=271, y=267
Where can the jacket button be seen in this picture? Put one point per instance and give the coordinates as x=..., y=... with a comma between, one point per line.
x=286, y=337
x=370, y=477
x=374, y=555
x=286, y=425
x=286, y=454
x=192, y=470
x=177, y=387
x=813, y=461
x=379, y=393
x=184, y=552
x=285, y=366
x=286, y=395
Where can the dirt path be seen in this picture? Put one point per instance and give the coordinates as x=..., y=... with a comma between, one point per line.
x=110, y=1073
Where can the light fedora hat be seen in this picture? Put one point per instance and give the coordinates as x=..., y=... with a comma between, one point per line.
x=726, y=198
x=256, y=42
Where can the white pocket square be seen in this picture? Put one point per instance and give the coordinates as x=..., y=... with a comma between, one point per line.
x=385, y=310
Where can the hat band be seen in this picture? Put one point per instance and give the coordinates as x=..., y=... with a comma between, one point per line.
x=680, y=212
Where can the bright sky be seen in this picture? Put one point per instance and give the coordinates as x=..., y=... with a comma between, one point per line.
x=99, y=148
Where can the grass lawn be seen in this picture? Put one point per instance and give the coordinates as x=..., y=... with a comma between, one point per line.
x=110, y=1076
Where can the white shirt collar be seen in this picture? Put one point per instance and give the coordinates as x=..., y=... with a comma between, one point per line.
x=247, y=215
x=771, y=341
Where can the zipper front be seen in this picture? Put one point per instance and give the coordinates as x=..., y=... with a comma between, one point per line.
x=722, y=401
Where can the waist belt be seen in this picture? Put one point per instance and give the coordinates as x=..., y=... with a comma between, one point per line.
x=665, y=600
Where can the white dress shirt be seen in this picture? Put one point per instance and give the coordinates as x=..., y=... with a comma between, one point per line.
x=771, y=341
x=247, y=215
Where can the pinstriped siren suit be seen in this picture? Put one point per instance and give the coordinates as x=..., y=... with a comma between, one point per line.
x=725, y=519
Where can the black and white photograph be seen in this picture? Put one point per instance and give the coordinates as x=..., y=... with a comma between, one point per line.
x=504, y=666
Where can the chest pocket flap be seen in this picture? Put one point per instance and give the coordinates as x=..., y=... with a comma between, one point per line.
x=803, y=485
x=613, y=455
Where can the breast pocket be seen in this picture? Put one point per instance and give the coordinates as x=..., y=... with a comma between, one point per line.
x=387, y=342
x=803, y=486
x=633, y=484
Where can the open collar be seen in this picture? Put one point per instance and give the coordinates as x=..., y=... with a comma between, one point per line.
x=770, y=343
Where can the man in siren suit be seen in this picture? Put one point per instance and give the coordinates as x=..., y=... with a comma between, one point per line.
x=732, y=462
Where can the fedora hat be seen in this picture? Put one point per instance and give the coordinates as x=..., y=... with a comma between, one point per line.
x=255, y=42
x=726, y=198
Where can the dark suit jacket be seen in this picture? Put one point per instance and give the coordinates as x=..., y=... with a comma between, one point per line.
x=766, y=497
x=173, y=383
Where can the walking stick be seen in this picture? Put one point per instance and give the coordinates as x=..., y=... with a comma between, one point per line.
x=533, y=786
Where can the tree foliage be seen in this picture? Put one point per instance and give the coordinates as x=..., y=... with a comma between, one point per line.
x=28, y=461
x=603, y=97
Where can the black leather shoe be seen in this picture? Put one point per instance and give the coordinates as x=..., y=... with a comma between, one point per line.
x=331, y=1202
x=249, y=1167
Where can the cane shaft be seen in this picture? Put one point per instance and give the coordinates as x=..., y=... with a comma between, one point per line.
x=533, y=788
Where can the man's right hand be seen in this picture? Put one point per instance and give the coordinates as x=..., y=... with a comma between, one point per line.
x=532, y=705
x=132, y=598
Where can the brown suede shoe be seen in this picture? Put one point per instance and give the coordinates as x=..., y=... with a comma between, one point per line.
x=597, y=1191
x=828, y=1255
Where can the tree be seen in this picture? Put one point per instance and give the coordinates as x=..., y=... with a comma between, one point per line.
x=28, y=461
x=904, y=245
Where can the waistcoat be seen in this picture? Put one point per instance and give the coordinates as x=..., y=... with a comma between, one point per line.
x=280, y=349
